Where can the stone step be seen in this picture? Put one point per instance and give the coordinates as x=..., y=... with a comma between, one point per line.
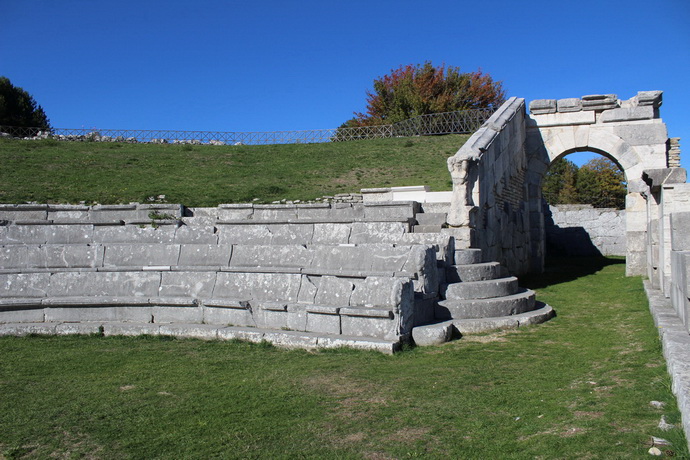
x=426, y=229
x=431, y=218
x=473, y=272
x=468, y=256
x=486, y=308
x=484, y=289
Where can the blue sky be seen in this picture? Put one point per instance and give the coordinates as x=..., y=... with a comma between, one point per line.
x=282, y=65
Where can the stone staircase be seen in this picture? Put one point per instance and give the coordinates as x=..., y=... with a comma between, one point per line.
x=429, y=222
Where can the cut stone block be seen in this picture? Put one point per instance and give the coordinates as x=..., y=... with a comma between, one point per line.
x=468, y=256
x=540, y=106
x=473, y=272
x=193, y=285
x=482, y=289
x=215, y=255
x=138, y=255
x=293, y=255
x=105, y=284
x=24, y=285
x=486, y=308
x=432, y=334
x=257, y=286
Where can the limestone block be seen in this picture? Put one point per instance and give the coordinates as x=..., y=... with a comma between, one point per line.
x=297, y=317
x=21, y=311
x=274, y=212
x=198, y=234
x=257, y=286
x=376, y=195
x=107, y=284
x=347, y=211
x=561, y=119
x=313, y=211
x=244, y=234
x=271, y=317
x=627, y=114
x=190, y=330
x=290, y=339
x=291, y=233
x=422, y=261
x=113, y=213
x=324, y=321
x=24, y=285
x=572, y=104
x=238, y=333
x=377, y=232
x=228, y=316
x=360, y=343
x=215, y=255
x=68, y=212
x=42, y=234
x=139, y=255
x=134, y=234
x=653, y=98
x=599, y=102
x=65, y=256
x=401, y=210
x=680, y=231
x=81, y=328
x=13, y=212
x=27, y=328
x=642, y=134
x=308, y=287
x=234, y=211
x=292, y=255
x=105, y=313
x=112, y=329
x=331, y=233
x=334, y=291
x=542, y=106
x=363, y=326
x=192, y=285
x=177, y=314
x=14, y=256
x=377, y=292
x=433, y=334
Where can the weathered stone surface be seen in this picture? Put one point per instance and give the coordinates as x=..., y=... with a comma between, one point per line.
x=432, y=334
x=139, y=255
x=572, y=104
x=105, y=284
x=482, y=289
x=24, y=285
x=645, y=112
x=192, y=285
x=541, y=106
x=680, y=231
x=486, y=308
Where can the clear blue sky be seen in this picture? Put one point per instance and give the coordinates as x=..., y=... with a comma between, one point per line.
x=282, y=65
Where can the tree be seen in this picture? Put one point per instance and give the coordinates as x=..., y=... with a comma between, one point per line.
x=413, y=90
x=560, y=183
x=19, y=109
x=601, y=183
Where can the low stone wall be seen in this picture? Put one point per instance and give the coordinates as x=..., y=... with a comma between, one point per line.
x=582, y=230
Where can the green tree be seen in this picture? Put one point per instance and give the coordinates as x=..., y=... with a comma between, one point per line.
x=601, y=183
x=19, y=109
x=560, y=183
x=413, y=90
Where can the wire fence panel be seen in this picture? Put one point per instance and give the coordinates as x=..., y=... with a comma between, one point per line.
x=460, y=122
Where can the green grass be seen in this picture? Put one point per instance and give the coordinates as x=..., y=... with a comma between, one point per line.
x=50, y=171
x=578, y=386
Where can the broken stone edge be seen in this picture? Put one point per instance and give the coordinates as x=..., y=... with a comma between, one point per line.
x=674, y=342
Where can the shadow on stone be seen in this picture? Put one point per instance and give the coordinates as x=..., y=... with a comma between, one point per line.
x=563, y=269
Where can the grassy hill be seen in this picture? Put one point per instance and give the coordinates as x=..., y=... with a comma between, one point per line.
x=50, y=171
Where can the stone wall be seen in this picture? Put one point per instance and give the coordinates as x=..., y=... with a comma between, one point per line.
x=489, y=207
x=582, y=230
x=679, y=279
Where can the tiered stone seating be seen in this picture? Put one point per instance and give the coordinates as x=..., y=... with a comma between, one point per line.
x=331, y=273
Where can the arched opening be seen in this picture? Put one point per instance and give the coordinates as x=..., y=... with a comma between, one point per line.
x=584, y=196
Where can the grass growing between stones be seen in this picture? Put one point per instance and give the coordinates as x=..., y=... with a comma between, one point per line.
x=578, y=386
x=50, y=171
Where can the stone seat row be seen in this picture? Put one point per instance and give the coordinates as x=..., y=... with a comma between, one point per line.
x=377, y=258
x=368, y=306
x=248, y=211
x=43, y=232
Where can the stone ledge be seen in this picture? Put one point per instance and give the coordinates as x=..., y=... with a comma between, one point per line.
x=675, y=342
x=537, y=316
x=283, y=339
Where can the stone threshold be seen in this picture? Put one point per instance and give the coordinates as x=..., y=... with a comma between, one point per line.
x=675, y=342
x=279, y=338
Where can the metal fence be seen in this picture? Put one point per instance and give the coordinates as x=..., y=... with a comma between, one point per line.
x=460, y=122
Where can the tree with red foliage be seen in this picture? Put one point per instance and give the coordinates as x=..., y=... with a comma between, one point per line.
x=413, y=90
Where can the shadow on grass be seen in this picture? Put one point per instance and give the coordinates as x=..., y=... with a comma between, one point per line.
x=563, y=269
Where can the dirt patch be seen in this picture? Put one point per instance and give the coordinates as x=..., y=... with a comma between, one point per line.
x=409, y=435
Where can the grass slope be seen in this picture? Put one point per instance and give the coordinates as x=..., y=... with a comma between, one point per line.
x=50, y=171
x=578, y=386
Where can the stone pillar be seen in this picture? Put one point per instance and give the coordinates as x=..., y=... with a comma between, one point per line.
x=636, y=234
